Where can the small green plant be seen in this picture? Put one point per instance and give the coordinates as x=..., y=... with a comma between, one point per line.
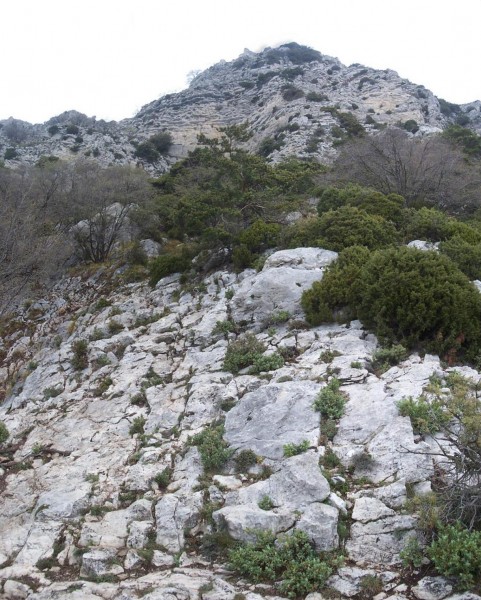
x=103, y=386
x=102, y=303
x=97, y=334
x=163, y=478
x=151, y=379
x=329, y=428
x=214, y=450
x=370, y=586
x=51, y=392
x=384, y=358
x=137, y=425
x=138, y=399
x=330, y=402
x=412, y=554
x=277, y=318
x=328, y=355
x=244, y=460
x=229, y=294
x=426, y=416
x=457, y=553
x=356, y=364
x=114, y=327
x=294, y=449
x=266, y=363
x=330, y=460
x=224, y=327
x=242, y=353
x=79, y=360
x=265, y=503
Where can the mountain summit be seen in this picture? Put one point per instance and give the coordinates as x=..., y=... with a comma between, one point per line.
x=296, y=100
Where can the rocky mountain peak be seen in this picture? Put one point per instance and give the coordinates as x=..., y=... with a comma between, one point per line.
x=296, y=100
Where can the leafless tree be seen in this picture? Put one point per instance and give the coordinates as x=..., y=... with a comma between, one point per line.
x=422, y=170
x=30, y=248
x=101, y=201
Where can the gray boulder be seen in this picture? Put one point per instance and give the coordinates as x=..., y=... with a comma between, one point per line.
x=272, y=416
x=279, y=286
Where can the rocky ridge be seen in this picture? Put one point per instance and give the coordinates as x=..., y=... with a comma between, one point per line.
x=103, y=494
x=291, y=96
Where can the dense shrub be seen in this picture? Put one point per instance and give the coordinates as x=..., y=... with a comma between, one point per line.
x=253, y=240
x=4, y=433
x=79, y=360
x=336, y=296
x=411, y=126
x=389, y=206
x=303, y=233
x=161, y=141
x=466, y=256
x=291, y=92
x=350, y=124
x=243, y=352
x=291, y=559
x=350, y=226
x=330, y=402
x=270, y=144
x=427, y=224
x=316, y=97
x=10, y=154
x=457, y=553
x=469, y=141
x=420, y=299
x=214, y=450
x=167, y=264
x=147, y=151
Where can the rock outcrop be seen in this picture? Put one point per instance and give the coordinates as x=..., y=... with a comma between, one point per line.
x=291, y=96
x=105, y=495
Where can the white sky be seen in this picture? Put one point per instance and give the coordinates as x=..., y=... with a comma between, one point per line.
x=109, y=57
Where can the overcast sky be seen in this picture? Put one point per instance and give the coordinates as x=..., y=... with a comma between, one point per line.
x=109, y=57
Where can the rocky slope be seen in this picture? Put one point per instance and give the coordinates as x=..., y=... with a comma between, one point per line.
x=291, y=96
x=104, y=496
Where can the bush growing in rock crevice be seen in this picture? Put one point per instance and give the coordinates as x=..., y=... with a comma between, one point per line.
x=291, y=559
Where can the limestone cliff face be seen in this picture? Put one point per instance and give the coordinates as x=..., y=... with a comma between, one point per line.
x=291, y=96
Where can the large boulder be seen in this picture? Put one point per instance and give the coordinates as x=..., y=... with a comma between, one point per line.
x=279, y=286
x=274, y=415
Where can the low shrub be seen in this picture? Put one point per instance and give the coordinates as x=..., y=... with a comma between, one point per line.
x=242, y=353
x=330, y=402
x=79, y=360
x=265, y=503
x=294, y=449
x=167, y=264
x=137, y=425
x=244, y=460
x=426, y=416
x=264, y=363
x=384, y=358
x=214, y=450
x=163, y=478
x=465, y=255
x=406, y=296
x=4, y=433
x=457, y=553
x=351, y=226
x=389, y=206
x=291, y=559
x=291, y=92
